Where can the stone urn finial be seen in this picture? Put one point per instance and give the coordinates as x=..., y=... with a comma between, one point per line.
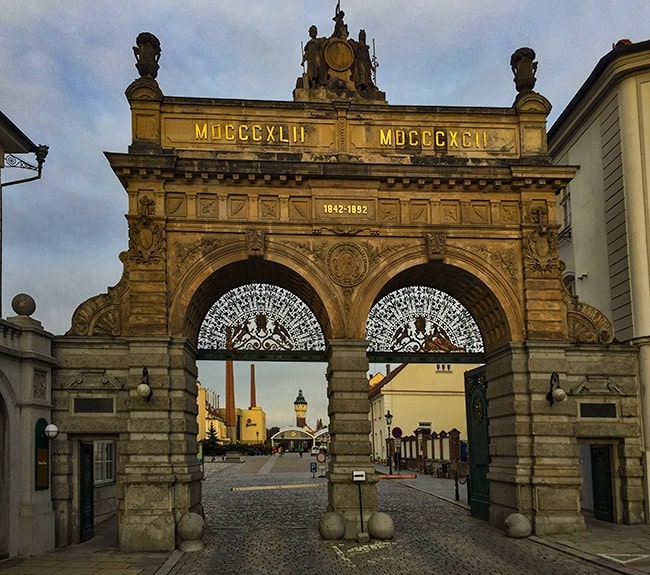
x=524, y=67
x=147, y=53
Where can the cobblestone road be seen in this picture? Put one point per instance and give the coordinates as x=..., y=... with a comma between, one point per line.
x=256, y=523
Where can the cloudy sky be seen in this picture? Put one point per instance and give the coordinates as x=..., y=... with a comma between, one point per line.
x=65, y=67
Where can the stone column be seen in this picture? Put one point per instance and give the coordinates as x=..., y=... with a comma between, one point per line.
x=160, y=480
x=533, y=448
x=347, y=391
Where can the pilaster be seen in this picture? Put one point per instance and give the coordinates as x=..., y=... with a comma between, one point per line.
x=349, y=434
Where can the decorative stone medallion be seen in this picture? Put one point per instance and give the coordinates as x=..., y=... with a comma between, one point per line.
x=347, y=264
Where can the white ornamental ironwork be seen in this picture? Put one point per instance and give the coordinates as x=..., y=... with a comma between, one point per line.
x=420, y=319
x=260, y=317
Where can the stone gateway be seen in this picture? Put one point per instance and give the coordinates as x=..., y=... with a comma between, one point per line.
x=339, y=198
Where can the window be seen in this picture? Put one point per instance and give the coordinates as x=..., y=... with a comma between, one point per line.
x=104, y=462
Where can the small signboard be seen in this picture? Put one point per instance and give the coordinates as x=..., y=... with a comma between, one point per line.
x=358, y=476
x=312, y=468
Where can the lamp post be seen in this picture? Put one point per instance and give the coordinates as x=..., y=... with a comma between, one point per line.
x=389, y=420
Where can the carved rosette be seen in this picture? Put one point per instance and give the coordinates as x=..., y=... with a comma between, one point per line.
x=96, y=316
x=101, y=315
x=587, y=324
x=347, y=264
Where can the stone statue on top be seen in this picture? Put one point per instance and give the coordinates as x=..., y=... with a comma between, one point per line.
x=337, y=67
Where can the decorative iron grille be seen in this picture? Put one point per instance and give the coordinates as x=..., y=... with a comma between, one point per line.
x=260, y=317
x=420, y=319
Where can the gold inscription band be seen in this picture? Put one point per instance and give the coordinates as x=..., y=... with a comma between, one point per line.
x=438, y=139
x=447, y=139
x=259, y=133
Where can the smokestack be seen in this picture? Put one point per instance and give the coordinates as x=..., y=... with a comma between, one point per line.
x=230, y=401
x=253, y=400
x=388, y=369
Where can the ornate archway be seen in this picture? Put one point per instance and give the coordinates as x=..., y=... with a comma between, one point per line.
x=341, y=199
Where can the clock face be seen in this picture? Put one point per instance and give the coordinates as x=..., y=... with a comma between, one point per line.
x=338, y=54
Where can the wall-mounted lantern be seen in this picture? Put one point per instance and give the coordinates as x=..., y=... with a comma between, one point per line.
x=144, y=389
x=555, y=393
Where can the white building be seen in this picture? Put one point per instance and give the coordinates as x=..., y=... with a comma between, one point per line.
x=605, y=240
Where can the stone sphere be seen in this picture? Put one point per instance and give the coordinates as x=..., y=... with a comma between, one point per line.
x=190, y=529
x=381, y=526
x=23, y=304
x=518, y=525
x=332, y=526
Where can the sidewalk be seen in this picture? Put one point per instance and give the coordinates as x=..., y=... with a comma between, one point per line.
x=98, y=556
x=622, y=548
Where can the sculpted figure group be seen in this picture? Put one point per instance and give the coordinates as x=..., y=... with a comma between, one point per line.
x=318, y=71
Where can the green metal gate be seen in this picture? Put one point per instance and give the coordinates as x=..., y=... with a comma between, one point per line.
x=478, y=442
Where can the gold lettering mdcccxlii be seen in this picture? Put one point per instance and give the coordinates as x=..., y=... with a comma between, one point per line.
x=246, y=133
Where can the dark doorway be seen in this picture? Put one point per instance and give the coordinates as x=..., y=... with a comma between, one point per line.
x=86, y=497
x=601, y=479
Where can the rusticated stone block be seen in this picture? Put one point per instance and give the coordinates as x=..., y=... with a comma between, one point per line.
x=147, y=531
x=349, y=405
x=147, y=497
x=558, y=498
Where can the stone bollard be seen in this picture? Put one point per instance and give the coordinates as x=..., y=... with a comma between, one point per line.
x=190, y=529
x=381, y=526
x=518, y=525
x=332, y=526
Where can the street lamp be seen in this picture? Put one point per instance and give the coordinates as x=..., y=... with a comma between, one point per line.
x=389, y=420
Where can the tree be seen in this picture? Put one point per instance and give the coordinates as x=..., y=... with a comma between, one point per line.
x=211, y=442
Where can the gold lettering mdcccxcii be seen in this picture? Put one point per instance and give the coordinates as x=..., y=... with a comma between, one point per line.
x=246, y=133
x=438, y=139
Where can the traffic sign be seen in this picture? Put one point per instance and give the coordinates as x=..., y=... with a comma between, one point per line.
x=397, y=432
x=321, y=457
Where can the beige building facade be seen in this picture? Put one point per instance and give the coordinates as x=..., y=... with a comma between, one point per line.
x=416, y=393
